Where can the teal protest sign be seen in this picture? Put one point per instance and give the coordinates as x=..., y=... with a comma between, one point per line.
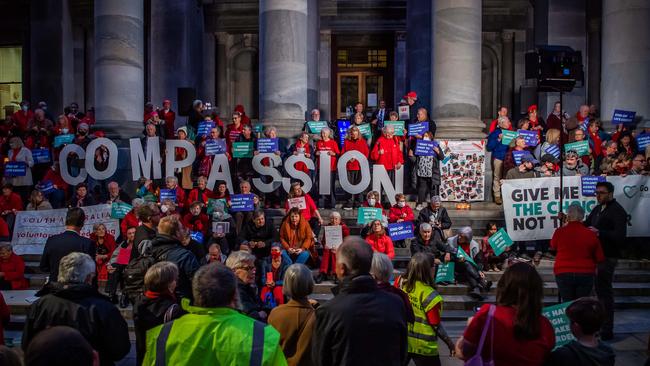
x=445, y=272
x=556, y=314
x=316, y=126
x=397, y=125
x=216, y=203
x=500, y=241
x=507, y=136
x=120, y=209
x=364, y=130
x=581, y=147
x=368, y=214
x=63, y=139
x=462, y=254
x=242, y=149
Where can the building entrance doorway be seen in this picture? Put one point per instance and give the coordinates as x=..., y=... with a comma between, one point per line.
x=353, y=87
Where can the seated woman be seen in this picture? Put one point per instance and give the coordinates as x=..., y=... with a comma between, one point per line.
x=243, y=265
x=297, y=238
x=310, y=212
x=201, y=193
x=379, y=240
x=373, y=199
x=400, y=212
x=492, y=262
x=466, y=265
x=37, y=202
x=328, y=262
x=12, y=268
x=105, y=246
x=196, y=220
x=273, y=269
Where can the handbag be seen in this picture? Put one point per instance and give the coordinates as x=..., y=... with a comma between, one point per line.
x=477, y=359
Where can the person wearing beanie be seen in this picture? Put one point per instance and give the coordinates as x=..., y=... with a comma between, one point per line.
x=468, y=267
x=60, y=346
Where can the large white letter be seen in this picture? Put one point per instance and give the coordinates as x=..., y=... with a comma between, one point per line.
x=365, y=172
x=63, y=164
x=141, y=163
x=220, y=170
x=271, y=171
x=381, y=179
x=297, y=174
x=170, y=162
x=324, y=172
x=90, y=158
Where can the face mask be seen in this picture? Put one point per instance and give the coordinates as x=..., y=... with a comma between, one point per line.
x=275, y=255
x=164, y=209
x=25, y=108
x=401, y=204
x=371, y=202
x=64, y=130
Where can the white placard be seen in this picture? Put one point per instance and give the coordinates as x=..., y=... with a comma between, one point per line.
x=221, y=227
x=298, y=202
x=333, y=236
x=404, y=114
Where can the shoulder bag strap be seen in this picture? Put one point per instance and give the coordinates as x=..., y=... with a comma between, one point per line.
x=161, y=343
x=488, y=324
x=257, y=349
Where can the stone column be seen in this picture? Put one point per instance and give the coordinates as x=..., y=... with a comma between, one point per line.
x=625, y=58
x=456, y=87
x=418, y=51
x=222, y=75
x=507, y=69
x=209, y=62
x=401, y=82
x=324, y=75
x=283, y=64
x=119, y=71
x=313, y=43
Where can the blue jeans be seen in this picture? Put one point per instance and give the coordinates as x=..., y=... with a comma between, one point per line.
x=301, y=258
x=572, y=286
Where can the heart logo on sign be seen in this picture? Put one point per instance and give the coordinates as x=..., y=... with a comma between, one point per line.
x=630, y=191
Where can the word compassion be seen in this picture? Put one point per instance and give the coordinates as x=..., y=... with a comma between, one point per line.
x=148, y=163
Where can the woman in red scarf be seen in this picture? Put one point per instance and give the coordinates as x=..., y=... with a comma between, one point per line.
x=105, y=243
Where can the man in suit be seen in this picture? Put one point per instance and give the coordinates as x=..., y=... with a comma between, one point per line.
x=60, y=245
x=378, y=118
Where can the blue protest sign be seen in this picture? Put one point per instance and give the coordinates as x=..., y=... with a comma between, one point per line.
x=196, y=236
x=343, y=125
x=204, y=128
x=267, y=145
x=418, y=128
x=642, y=141
x=588, y=184
x=63, y=139
x=585, y=124
x=242, y=202
x=401, y=230
x=424, y=148
x=215, y=147
x=518, y=155
x=623, y=117
x=41, y=156
x=45, y=187
x=15, y=169
x=529, y=136
x=168, y=194
x=553, y=150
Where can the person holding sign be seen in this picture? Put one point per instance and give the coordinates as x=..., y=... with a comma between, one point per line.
x=610, y=155
x=465, y=252
x=171, y=183
x=379, y=240
x=499, y=152
x=297, y=238
x=425, y=173
x=423, y=332
x=490, y=260
x=400, y=212
x=579, y=135
x=328, y=261
x=387, y=152
x=57, y=195
x=353, y=142
x=328, y=146
x=519, y=334
x=244, y=165
x=105, y=245
x=208, y=148
x=195, y=220
x=20, y=156
x=518, y=146
x=234, y=129
x=310, y=212
x=314, y=125
x=573, y=165
x=302, y=147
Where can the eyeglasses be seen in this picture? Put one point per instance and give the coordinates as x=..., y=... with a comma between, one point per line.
x=602, y=192
x=246, y=268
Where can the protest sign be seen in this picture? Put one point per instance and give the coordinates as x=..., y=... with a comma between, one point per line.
x=462, y=171
x=242, y=149
x=368, y=214
x=196, y=236
x=32, y=228
x=364, y=130
x=518, y=155
x=398, y=126
x=168, y=194
x=343, y=125
x=401, y=230
x=215, y=147
x=462, y=254
x=588, y=184
x=507, y=136
x=265, y=145
x=333, y=236
x=316, y=126
x=41, y=156
x=531, y=137
x=297, y=202
x=258, y=128
x=61, y=140
x=403, y=112
x=216, y=204
x=556, y=314
x=15, y=169
x=581, y=147
x=553, y=150
x=643, y=141
x=623, y=117
x=120, y=209
x=242, y=202
x=418, y=129
x=45, y=186
x=221, y=227
x=445, y=272
x=500, y=241
x=204, y=128
x=424, y=148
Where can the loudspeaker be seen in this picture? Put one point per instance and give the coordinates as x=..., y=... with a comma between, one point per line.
x=185, y=98
x=556, y=68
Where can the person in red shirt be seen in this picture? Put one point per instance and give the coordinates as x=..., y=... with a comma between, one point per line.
x=400, y=212
x=310, y=211
x=302, y=146
x=171, y=182
x=4, y=230
x=387, y=152
x=578, y=254
x=379, y=240
x=195, y=220
x=130, y=219
x=502, y=112
x=353, y=142
x=169, y=117
x=201, y=193
x=328, y=261
x=12, y=269
x=10, y=203
x=233, y=130
x=244, y=118
x=520, y=334
x=105, y=246
x=326, y=145
x=21, y=117
x=58, y=196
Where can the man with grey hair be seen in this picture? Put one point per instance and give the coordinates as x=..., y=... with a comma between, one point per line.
x=362, y=325
x=214, y=332
x=382, y=271
x=465, y=252
x=74, y=302
x=428, y=240
x=115, y=194
x=578, y=254
x=243, y=265
x=171, y=182
x=436, y=215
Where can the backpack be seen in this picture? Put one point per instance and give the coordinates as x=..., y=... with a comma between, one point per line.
x=136, y=269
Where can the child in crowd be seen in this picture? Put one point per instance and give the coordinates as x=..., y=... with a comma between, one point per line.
x=492, y=262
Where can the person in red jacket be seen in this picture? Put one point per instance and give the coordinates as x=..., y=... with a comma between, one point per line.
x=400, y=212
x=502, y=112
x=201, y=193
x=310, y=212
x=195, y=220
x=12, y=269
x=326, y=145
x=302, y=147
x=328, y=261
x=106, y=244
x=578, y=254
x=131, y=219
x=10, y=203
x=22, y=117
x=4, y=317
x=4, y=230
x=244, y=118
x=379, y=240
x=172, y=183
x=387, y=152
x=233, y=130
x=354, y=142
x=169, y=117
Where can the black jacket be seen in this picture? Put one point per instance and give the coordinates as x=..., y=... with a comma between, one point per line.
x=575, y=354
x=141, y=233
x=427, y=212
x=362, y=325
x=170, y=249
x=60, y=245
x=267, y=233
x=121, y=197
x=89, y=200
x=251, y=303
x=83, y=308
x=149, y=313
x=435, y=247
x=612, y=227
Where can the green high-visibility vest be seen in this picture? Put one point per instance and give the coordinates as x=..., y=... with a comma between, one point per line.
x=422, y=339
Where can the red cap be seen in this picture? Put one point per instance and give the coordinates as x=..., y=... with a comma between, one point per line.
x=412, y=95
x=532, y=108
x=100, y=134
x=239, y=108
